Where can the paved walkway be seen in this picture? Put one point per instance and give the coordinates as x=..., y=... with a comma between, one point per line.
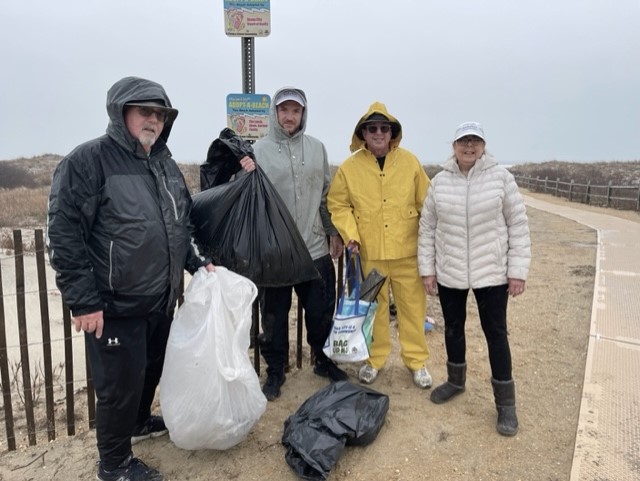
x=608, y=437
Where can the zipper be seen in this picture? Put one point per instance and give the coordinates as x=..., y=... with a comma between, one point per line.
x=111, y=265
x=173, y=201
x=468, y=235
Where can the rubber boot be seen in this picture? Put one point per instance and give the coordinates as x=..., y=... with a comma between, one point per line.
x=505, y=396
x=457, y=376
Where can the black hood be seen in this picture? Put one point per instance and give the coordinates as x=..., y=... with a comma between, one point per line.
x=135, y=89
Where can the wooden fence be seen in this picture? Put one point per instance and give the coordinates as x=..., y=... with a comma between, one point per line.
x=624, y=197
x=26, y=380
x=20, y=381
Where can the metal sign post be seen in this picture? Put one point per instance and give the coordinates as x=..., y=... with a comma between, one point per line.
x=247, y=19
x=248, y=66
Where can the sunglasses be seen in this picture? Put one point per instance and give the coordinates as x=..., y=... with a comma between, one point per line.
x=372, y=129
x=147, y=112
x=469, y=139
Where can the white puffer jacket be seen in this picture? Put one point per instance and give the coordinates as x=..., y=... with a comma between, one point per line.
x=474, y=230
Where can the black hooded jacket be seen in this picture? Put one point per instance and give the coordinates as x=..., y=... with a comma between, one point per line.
x=119, y=235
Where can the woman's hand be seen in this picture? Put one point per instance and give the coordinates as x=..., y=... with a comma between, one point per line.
x=516, y=287
x=430, y=285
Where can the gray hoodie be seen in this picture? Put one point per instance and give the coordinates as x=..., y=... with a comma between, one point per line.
x=298, y=167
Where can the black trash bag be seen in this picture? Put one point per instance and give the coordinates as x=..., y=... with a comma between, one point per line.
x=222, y=159
x=245, y=226
x=371, y=286
x=339, y=414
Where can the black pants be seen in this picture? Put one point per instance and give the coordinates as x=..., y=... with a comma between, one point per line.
x=492, y=308
x=126, y=364
x=318, y=299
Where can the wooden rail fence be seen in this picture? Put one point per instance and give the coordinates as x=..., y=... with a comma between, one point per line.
x=21, y=384
x=624, y=197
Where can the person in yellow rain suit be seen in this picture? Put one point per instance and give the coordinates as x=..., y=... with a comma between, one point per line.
x=375, y=201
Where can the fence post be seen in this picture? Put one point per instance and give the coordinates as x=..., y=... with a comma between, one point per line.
x=557, y=186
x=546, y=179
x=68, y=370
x=4, y=375
x=299, y=338
x=571, y=191
x=255, y=333
x=46, y=335
x=609, y=194
x=22, y=335
x=588, y=194
x=91, y=392
x=638, y=201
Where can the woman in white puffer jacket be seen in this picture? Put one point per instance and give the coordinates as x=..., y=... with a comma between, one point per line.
x=474, y=234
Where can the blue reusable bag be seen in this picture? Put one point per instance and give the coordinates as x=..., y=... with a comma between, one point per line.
x=352, y=329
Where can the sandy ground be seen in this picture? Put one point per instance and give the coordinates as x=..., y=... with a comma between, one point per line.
x=420, y=440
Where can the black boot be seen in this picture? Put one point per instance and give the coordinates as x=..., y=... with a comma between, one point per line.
x=271, y=387
x=505, y=396
x=457, y=376
x=325, y=367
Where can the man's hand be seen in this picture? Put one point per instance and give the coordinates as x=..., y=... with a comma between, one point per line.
x=336, y=247
x=430, y=285
x=247, y=163
x=353, y=246
x=92, y=322
x=210, y=267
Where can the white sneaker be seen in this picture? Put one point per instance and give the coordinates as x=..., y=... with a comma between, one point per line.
x=367, y=374
x=422, y=378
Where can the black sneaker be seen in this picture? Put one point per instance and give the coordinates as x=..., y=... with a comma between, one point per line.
x=131, y=469
x=330, y=370
x=153, y=428
x=271, y=387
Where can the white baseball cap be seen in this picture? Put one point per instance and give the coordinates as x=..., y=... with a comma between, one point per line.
x=469, y=128
x=289, y=94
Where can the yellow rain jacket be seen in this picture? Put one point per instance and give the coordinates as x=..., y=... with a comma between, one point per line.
x=380, y=209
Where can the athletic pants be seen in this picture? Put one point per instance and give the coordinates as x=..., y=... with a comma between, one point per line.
x=126, y=364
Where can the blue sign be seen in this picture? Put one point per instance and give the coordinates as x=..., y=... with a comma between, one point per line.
x=248, y=114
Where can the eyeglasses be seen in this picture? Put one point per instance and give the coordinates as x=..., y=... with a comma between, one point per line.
x=372, y=129
x=146, y=112
x=472, y=139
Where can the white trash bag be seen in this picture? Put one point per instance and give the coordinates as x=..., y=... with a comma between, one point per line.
x=209, y=391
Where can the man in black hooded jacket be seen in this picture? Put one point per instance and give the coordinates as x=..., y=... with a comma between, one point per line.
x=119, y=238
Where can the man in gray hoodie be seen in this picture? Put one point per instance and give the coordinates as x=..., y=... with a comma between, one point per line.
x=297, y=165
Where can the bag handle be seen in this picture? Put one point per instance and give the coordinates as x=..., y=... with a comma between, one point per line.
x=356, y=281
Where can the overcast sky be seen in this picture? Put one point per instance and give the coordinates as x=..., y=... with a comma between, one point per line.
x=548, y=79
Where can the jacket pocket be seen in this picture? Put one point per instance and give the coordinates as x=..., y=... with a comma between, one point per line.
x=318, y=228
x=409, y=213
x=362, y=216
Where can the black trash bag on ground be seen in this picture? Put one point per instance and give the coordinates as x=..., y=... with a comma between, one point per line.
x=245, y=226
x=223, y=159
x=339, y=414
